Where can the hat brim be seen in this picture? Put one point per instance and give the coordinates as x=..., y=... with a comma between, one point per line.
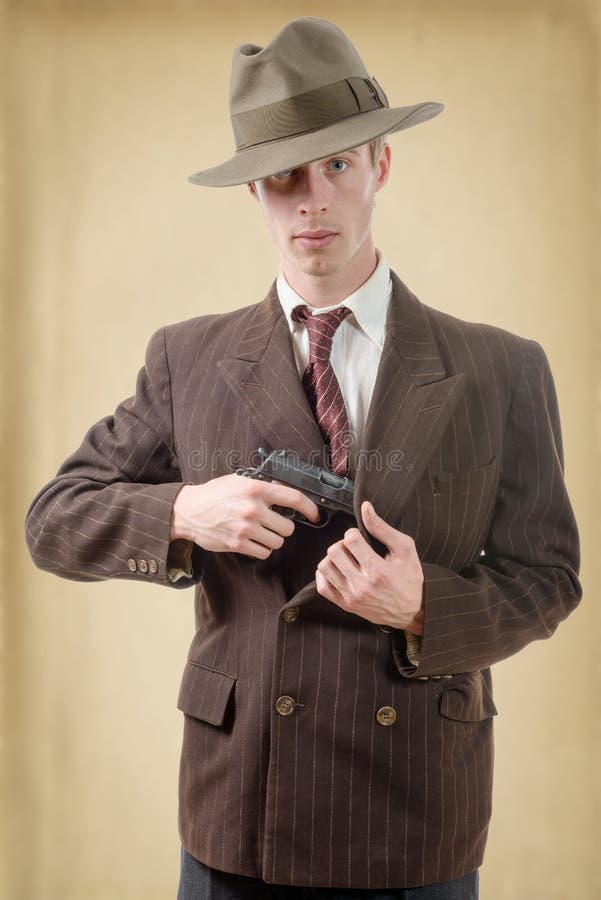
x=276, y=156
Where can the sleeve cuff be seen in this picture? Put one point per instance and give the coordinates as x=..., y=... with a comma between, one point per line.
x=179, y=560
x=413, y=647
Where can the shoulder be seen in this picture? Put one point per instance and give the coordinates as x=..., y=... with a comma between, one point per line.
x=213, y=324
x=476, y=346
x=464, y=346
x=214, y=333
x=492, y=360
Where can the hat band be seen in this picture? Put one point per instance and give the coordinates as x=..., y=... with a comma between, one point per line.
x=307, y=112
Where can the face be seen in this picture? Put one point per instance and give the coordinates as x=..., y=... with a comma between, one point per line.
x=319, y=215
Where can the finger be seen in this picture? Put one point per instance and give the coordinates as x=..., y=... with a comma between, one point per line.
x=375, y=524
x=358, y=548
x=343, y=560
x=254, y=550
x=251, y=535
x=327, y=590
x=283, y=495
x=332, y=574
x=277, y=522
x=265, y=536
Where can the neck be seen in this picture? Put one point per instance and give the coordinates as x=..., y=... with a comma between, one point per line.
x=327, y=288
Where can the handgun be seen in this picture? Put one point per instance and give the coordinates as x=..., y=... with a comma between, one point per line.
x=332, y=493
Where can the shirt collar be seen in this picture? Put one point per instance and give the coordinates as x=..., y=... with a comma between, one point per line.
x=369, y=303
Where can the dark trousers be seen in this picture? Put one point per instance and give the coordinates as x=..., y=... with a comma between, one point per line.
x=199, y=882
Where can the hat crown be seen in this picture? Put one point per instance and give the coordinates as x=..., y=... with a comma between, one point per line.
x=306, y=54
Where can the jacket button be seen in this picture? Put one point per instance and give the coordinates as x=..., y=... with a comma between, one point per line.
x=386, y=715
x=142, y=566
x=132, y=565
x=291, y=614
x=153, y=566
x=285, y=705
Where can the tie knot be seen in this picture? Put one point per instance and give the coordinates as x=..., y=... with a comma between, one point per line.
x=321, y=329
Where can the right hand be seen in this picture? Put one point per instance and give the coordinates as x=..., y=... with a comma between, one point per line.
x=233, y=513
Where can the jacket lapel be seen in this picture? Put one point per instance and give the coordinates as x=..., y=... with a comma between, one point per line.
x=411, y=406
x=262, y=373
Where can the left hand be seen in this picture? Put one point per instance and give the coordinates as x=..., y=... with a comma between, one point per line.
x=384, y=590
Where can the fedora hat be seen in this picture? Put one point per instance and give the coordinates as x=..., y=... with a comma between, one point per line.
x=304, y=96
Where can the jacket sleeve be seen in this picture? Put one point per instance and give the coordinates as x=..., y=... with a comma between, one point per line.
x=107, y=512
x=526, y=579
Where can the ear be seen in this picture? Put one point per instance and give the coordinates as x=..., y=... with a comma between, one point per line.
x=383, y=167
x=252, y=189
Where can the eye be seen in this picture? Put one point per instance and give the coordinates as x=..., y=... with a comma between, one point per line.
x=339, y=165
x=285, y=174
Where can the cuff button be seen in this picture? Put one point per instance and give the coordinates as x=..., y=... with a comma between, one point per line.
x=153, y=567
x=132, y=565
x=142, y=566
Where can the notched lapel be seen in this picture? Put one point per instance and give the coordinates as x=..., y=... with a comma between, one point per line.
x=263, y=375
x=411, y=406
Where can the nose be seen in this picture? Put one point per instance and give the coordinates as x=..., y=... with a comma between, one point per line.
x=312, y=194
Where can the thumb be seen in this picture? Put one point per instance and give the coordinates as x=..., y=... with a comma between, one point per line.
x=374, y=523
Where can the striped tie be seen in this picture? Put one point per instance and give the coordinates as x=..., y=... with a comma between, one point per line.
x=321, y=384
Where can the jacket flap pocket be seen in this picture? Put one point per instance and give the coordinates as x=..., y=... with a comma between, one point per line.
x=467, y=699
x=204, y=692
x=466, y=480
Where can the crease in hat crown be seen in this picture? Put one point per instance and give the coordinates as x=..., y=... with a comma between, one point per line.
x=305, y=95
x=278, y=71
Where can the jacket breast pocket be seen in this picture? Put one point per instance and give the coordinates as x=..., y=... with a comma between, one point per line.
x=475, y=482
x=466, y=698
x=205, y=693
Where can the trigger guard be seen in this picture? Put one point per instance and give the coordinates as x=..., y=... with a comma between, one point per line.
x=290, y=513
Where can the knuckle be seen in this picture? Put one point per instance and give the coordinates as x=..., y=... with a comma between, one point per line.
x=253, y=488
x=298, y=498
x=248, y=510
x=377, y=577
x=407, y=542
x=244, y=530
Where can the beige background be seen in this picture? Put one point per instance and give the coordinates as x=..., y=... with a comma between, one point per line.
x=492, y=213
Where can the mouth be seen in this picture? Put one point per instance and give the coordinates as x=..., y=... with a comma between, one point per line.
x=314, y=240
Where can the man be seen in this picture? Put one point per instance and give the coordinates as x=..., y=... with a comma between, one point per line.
x=337, y=694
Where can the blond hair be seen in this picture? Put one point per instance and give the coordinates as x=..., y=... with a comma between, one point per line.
x=376, y=147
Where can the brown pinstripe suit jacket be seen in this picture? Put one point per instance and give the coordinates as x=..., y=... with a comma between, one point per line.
x=462, y=450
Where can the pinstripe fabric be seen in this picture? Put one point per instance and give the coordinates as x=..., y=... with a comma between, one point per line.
x=461, y=450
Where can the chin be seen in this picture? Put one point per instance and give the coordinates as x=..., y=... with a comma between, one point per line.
x=319, y=265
